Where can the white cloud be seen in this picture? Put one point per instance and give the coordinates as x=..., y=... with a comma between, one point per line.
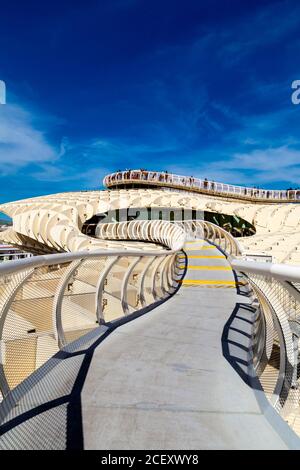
x=25, y=148
x=20, y=142
x=260, y=166
x=262, y=160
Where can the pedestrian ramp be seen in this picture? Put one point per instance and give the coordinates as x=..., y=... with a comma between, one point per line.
x=206, y=266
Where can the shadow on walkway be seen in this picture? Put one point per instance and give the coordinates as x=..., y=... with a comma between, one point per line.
x=237, y=341
x=60, y=416
x=44, y=411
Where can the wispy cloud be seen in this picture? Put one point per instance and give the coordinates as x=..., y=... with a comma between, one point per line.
x=21, y=143
x=253, y=153
x=259, y=166
x=25, y=150
x=203, y=103
x=274, y=21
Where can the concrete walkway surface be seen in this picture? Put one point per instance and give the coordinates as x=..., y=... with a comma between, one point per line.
x=177, y=377
x=162, y=381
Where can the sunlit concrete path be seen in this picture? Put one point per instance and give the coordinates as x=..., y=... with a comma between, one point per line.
x=176, y=378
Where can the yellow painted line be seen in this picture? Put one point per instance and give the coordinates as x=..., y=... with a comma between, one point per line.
x=204, y=247
x=208, y=247
x=207, y=281
x=209, y=286
x=203, y=257
x=212, y=268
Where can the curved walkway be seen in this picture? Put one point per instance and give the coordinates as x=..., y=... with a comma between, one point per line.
x=178, y=377
x=168, y=380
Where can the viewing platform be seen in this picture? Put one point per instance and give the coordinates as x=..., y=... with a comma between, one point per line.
x=138, y=178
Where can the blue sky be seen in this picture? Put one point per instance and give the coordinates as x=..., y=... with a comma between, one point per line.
x=200, y=88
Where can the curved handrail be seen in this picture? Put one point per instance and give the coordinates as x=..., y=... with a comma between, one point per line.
x=214, y=234
x=78, y=291
x=158, y=231
x=282, y=272
x=279, y=286
x=60, y=258
x=169, y=234
x=86, y=279
x=157, y=178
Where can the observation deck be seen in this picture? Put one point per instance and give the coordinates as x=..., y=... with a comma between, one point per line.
x=138, y=178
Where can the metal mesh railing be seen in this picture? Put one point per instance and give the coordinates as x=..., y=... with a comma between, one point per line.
x=278, y=365
x=48, y=301
x=45, y=308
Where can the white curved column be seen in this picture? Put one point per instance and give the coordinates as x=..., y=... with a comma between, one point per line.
x=124, y=287
x=141, y=288
x=57, y=302
x=100, y=289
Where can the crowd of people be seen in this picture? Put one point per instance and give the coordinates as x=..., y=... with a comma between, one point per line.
x=190, y=181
